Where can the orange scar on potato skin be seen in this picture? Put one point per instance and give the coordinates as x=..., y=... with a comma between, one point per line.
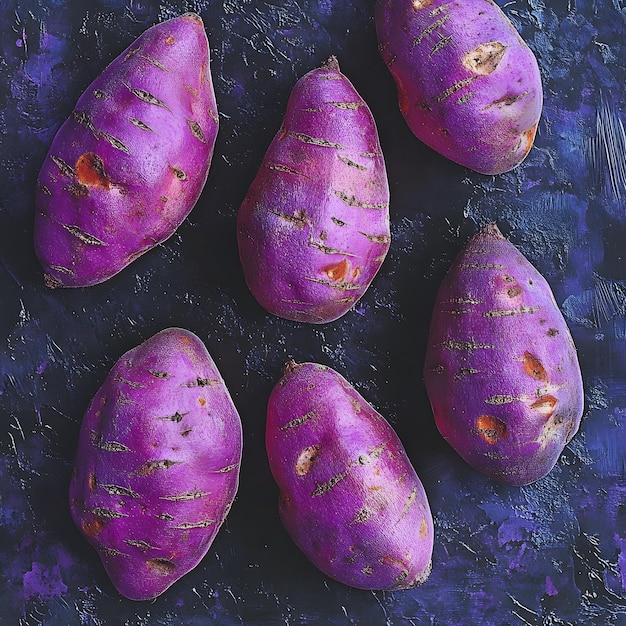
x=491, y=429
x=90, y=171
x=423, y=528
x=93, y=527
x=336, y=271
x=533, y=367
x=545, y=405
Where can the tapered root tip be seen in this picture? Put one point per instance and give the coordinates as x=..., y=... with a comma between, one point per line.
x=492, y=230
x=291, y=366
x=190, y=15
x=51, y=282
x=332, y=64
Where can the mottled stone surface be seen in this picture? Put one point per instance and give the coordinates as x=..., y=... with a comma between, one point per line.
x=550, y=553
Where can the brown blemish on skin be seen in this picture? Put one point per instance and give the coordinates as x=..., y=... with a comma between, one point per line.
x=336, y=271
x=307, y=459
x=111, y=446
x=431, y=28
x=545, y=405
x=506, y=101
x=423, y=528
x=161, y=566
x=362, y=516
x=299, y=218
x=392, y=560
x=92, y=527
x=89, y=170
x=513, y=292
x=102, y=512
x=533, y=367
x=552, y=332
x=148, y=468
x=139, y=124
x=409, y=502
x=201, y=524
x=284, y=168
x=186, y=496
x=180, y=174
x=323, y=488
x=196, y=130
x=64, y=168
x=91, y=481
x=460, y=84
x=485, y=58
x=202, y=401
x=526, y=142
x=297, y=421
x=491, y=429
x=169, y=40
x=114, y=141
x=78, y=190
x=144, y=546
x=159, y=374
x=118, y=490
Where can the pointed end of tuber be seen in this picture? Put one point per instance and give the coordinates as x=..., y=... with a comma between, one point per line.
x=51, y=282
x=190, y=15
x=291, y=366
x=332, y=64
x=492, y=230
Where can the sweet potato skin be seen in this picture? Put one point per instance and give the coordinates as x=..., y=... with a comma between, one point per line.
x=349, y=496
x=129, y=164
x=501, y=368
x=313, y=229
x=468, y=85
x=157, y=466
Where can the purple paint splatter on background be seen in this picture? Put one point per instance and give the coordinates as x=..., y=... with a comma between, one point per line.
x=550, y=553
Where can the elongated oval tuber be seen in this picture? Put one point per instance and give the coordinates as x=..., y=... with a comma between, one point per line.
x=468, y=85
x=129, y=164
x=501, y=369
x=313, y=229
x=158, y=460
x=349, y=496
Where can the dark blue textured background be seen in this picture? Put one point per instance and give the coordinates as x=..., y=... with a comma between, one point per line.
x=553, y=553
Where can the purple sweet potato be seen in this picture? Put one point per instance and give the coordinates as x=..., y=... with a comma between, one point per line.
x=313, y=229
x=158, y=460
x=501, y=369
x=349, y=496
x=468, y=85
x=129, y=164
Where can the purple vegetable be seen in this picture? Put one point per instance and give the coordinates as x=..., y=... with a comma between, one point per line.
x=158, y=462
x=468, y=85
x=313, y=229
x=127, y=167
x=501, y=368
x=349, y=496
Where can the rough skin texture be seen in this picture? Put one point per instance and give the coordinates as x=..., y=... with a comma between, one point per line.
x=157, y=467
x=129, y=164
x=468, y=85
x=313, y=229
x=501, y=369
x=349, y=496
